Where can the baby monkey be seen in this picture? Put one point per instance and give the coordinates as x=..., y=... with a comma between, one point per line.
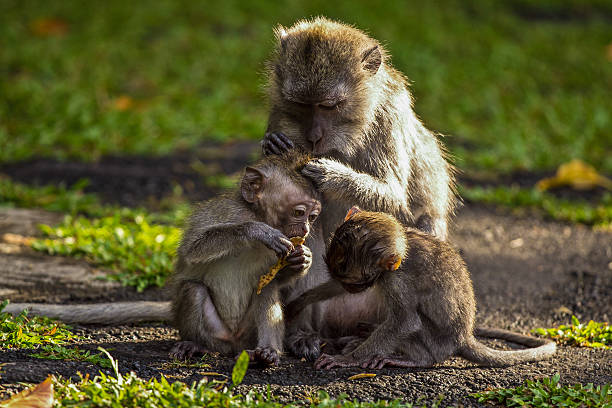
x=230, y=243
x=428, y=301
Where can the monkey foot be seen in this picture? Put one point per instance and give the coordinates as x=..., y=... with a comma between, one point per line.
x=326, y=362
x=264, y=355
x=378, y=362
x=305, y=344
x=184, y=350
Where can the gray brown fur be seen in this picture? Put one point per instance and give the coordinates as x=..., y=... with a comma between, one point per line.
x=332, y=91
x=230, y=242
x=428, y=303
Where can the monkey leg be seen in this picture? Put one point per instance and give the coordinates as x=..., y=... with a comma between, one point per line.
x=265, y=316
x=199, y=324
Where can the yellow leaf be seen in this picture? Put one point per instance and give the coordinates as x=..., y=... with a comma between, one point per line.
x=16, y=239
x=577, y=175
x=211, y=373
x=123, y=103
x=362, y=375
x=40, y=396
x=267, y=278
x=46, y=27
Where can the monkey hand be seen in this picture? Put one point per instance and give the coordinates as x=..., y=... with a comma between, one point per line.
x=264, y=355
x=276, y=143
x=323, y=172
x=271, y=237
x=304, y=343
x=185, y=350
x=327, y=361
x=298, y=261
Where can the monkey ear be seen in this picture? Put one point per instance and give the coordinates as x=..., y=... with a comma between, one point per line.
x=391, y=262
x=354, y=210
x=252, y=184
x=371, y=59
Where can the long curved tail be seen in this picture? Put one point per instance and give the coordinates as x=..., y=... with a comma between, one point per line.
x=98, y=313
x=478, y=353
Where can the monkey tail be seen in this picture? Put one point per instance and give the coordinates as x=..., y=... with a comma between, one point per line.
x=478, y=353
x=98, y=313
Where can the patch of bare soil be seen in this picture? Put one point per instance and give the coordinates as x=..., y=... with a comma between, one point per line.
x=527, y=273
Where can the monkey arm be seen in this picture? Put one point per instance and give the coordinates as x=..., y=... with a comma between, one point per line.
x=218, y=241
x=344, y=184
x=402, y=319
x=320, y=293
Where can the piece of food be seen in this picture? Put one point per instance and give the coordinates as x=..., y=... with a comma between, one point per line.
x=267, y=278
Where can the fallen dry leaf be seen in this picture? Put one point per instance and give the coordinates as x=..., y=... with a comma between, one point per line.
x=362, y=375
x=123, y=103
x=16, y=239
x=46, y=27
x=577, y=175
x=267, y=278
x=40, y=396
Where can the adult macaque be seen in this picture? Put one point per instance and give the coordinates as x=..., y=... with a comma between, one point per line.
x=333, y=92
x=417, y=297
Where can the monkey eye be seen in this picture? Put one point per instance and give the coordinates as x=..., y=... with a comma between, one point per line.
x=312, y=217
x=298, y=212
x=330, y=105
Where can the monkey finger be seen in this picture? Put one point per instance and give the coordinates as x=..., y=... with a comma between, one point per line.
x=282, y=246
x=281, y=141
x=295, y=259
x=270, y=148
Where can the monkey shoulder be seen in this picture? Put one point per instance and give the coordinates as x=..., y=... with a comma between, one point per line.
x=224, y=208
x=430, y=257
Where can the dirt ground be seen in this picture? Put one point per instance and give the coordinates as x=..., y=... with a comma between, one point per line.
x=527, y=273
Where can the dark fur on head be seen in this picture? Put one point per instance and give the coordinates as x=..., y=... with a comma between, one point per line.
x=290, y=165
x=314, y=56
x=364, y=246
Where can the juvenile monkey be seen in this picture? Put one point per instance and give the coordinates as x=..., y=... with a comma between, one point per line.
x=427, y=306
x=230, y=242
x=333, y=92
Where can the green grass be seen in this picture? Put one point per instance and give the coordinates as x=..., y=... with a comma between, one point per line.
x=591, y=334
x=512, y=92
x=577, y=211
x=54, y=352
x=21, y=331
x=140, y=252
x=47, y=336
x=53, y=198
x=127, y=390
x=547, y=393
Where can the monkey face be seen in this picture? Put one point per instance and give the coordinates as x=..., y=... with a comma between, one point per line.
x=345, y=264
x=294, y=211
x=364, y=247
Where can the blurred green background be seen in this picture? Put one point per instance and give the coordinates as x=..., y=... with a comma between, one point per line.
x=514, y=84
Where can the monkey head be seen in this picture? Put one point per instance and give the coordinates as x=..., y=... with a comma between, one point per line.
x=278, y=192
x=365, y=246
x=321, y=84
